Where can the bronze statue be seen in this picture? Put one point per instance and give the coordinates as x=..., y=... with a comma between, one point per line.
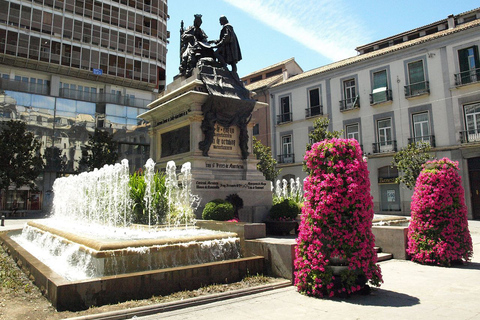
x=193, y=46
x=228, y=51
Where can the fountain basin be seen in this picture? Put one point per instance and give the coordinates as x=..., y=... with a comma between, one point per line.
x=81, y=294
x=104, y=257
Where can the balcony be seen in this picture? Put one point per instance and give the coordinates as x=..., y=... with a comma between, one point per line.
x=350, y=104
x=103, y=98
x=468, y=136
x=286, y=158
x=21, y=86
x=385, y=146
x=313, y=111
x=426, y=139
x=380, y=95
x=466, y=77
x=283, y=118
x=417, y=89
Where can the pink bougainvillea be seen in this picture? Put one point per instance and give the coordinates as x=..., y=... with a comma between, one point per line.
x=438, y=231
x=336, y=223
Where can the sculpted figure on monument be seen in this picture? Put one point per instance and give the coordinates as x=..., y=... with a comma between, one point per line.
x=228, y=51
x=193, y=46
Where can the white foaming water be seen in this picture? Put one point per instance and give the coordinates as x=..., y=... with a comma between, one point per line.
x=97, y=205
x=101, y=196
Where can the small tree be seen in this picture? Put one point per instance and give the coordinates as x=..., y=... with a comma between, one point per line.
x=409, y=162
x=20, y=159
x=438, y=231
x=267, y=164
x=319, y=133
x=100, y=150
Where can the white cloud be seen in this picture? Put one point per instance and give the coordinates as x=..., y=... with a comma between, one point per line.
x=326, y=26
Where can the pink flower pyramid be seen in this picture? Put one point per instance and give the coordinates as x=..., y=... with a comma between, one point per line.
x=336, y=223
x=438, y=231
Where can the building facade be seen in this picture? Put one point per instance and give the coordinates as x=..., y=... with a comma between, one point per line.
x=421, y=85
x=260, y=82
x=68, y=67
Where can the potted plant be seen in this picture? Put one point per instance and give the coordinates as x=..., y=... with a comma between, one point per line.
x=281, y=217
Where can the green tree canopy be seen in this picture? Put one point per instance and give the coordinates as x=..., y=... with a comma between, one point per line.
x=409, y=161
x=20, y=159
x=319, y=133
x=100, y=150
x=267, y=164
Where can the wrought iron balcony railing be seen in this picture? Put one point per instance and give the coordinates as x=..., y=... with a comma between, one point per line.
x=417, y=89
x=284, y=117
x=350, y=104
x=313, y=111
x=385, y=146
x=379, y=96
x=472, y=135
x=427, y=139
x=466, y=77
x=286, y=158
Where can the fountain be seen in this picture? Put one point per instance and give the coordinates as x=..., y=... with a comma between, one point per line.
x=89, y=252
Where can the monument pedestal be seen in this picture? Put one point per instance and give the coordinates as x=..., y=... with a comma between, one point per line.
x=178, y=133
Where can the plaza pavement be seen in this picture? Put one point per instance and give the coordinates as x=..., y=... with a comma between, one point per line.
x=410, y=291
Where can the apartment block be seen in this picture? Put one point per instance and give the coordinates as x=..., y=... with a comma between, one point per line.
x=68, y=67
x=421, y=85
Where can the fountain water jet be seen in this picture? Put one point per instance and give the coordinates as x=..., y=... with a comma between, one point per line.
x=107, y=247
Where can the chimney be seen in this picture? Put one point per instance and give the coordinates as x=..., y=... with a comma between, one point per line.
x=451, y=21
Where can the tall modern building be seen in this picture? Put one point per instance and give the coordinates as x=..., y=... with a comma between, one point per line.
x=70, y=66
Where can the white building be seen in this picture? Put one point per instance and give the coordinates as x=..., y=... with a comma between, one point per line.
x=423, y=84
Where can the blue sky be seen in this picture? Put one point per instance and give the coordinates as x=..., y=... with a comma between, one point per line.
x=314, y=32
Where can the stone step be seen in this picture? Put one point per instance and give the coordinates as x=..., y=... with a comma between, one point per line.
x=377, y=249
x=382, y=256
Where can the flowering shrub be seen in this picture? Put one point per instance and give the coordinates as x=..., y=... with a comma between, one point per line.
x=336, y=222
x=438, y=231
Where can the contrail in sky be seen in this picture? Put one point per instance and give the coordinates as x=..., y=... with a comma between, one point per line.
x=328, y=27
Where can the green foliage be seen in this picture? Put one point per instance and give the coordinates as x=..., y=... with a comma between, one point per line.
x=409, y=162
x=100, y=150
x=53, y=159
x=267, y=164
x=286, y=210
x=11, y=277
x=20, y=159
x=319, y=133
x=159, y=202
x=218, y=209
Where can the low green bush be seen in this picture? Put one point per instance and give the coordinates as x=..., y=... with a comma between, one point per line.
x=218, y=209
x=286, y=210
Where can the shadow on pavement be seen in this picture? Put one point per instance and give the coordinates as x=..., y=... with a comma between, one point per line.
x=384, y=298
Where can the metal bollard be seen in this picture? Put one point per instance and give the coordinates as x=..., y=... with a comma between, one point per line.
x=3, y=220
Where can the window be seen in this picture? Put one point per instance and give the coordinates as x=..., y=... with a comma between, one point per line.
x=285, y=113
x=380, y=87
x=469, y=66
x=416, y=79
x=389, y=190
x=349, y=95
x=384, y=136
x=314, y=106
x=287, y=149
x=421, y=127
x=352, y=132
x=472, y=120
x=256, y=129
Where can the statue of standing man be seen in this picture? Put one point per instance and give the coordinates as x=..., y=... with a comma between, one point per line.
x=228, y=51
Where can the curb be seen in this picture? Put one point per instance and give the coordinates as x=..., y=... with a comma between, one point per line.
x=177, y=305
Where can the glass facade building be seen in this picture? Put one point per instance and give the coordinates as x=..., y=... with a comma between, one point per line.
x=69, y=67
